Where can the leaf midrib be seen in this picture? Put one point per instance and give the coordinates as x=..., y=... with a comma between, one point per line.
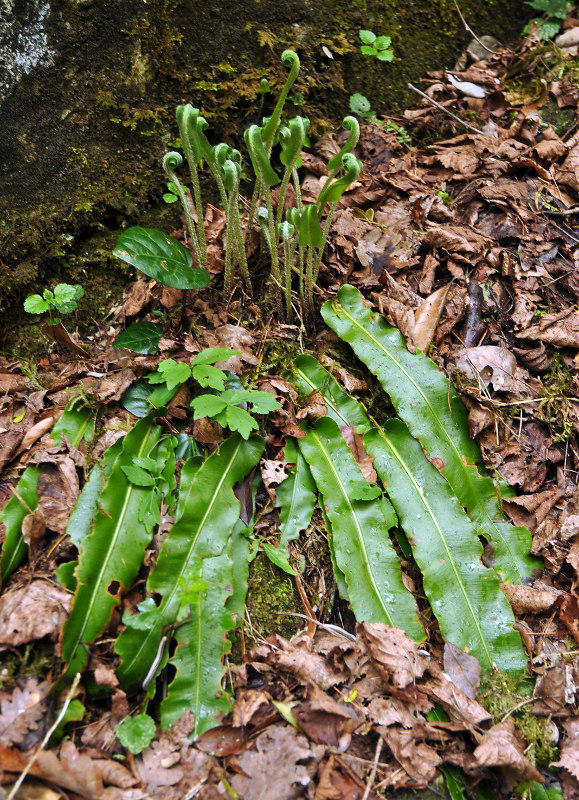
x=358, y=527
x=96, y=585
x=432, y=515
x=167, y=598
x=478, y=503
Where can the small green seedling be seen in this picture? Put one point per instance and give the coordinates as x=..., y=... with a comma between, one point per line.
x=171, y=195
x=61, y=301
x=136, y=733
x=555, y=11
x=376, y=46
x=229, y=402
x=360, y=105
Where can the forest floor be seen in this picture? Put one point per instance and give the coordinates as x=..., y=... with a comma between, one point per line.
x=469, y=246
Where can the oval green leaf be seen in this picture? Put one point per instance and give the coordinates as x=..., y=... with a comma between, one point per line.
x=142, y=337
x=160, y=257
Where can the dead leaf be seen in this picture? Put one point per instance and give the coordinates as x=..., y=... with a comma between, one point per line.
x=11, y=382
x=58, y=489
x=113, y=386
x=34, y=433
x=459, y=706
x=426, y=318
x=489, y=364
x=326, y=721
x=314, y=408
x=275, y=769
x=356, y=444
x=560, y=329
x=502, y=746
x=338, y=782
x=22, y=711
x=418, y=759
x=569, y=615
x=528, y=600
x=462, y=669
x=37, y=610
x=570, y=748
x=395, y=655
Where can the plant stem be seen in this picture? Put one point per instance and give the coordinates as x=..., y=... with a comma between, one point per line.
x=188, y=215
x=325, y=234
x=199, y=209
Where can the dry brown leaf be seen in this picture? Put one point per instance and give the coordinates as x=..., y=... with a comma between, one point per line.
x=235, y=337
x=326, y=721
x=274, y=770
x=527, y=599
x=459, y=706
x=247, y=702
x=462, y=669
x=418, y=759
x=58, y=489
x=570, y=748
x=560, y=329
x=112, y=387
x=489, y=364
x=338, y=782
x=10, y=382
x=314, y=408
x=426, y=318
x=22, y=711
x=569, y=615
x=356, y=444
x=34, y=433
x=305, y=665
x=395, y=655
x=501, y=746
x=37, y=610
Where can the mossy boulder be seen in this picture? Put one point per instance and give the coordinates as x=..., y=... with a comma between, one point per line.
x=88, y=91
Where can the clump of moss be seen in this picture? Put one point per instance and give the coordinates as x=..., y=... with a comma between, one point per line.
x=272, y=594
x=502, y=693
x=555, y=404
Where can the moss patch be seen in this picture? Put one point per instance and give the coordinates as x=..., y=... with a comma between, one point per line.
x=500, y=693
x=272, y=594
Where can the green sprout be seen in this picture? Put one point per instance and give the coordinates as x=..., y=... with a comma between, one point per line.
x=376, y=46
x=295, y=245
x=60, y=301
x=554, y=12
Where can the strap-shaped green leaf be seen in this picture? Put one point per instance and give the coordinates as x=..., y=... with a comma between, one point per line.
x=201, y=646
x=23, y=501
x=360, y=541
x=306, y=221
x=296, y=496
x=206, y=514
x=342, y=407
x=110, y=556
x=434, y=413
x=465, y=596
x=334, y=189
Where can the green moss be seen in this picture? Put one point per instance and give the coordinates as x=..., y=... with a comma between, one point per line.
x=502, y=693
x=271, y=594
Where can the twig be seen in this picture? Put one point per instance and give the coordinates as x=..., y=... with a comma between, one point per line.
x=468, y=29
x=44, y=742
x=467, y=125
x=372, y=775
x=520, y=705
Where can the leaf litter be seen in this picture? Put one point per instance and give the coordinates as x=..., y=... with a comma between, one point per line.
x=468, y=245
